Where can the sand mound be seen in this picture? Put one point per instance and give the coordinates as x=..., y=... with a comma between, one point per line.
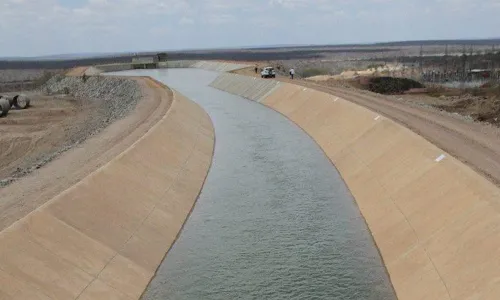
x=93, y=71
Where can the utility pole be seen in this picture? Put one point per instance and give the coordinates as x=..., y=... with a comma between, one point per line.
x=396, y=66
x=421, y=66
x=493, y=64
x=471, y=53
x=446, y=59
x=464, y=64
x=403, y=67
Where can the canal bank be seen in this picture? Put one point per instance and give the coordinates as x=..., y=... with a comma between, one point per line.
x=274, y=219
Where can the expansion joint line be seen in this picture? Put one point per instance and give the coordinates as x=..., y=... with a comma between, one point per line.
x=409, y=224
x=27, y=283
x=138, y=227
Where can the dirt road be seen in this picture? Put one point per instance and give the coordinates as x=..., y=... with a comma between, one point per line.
x=476, y=144
x=26, y=194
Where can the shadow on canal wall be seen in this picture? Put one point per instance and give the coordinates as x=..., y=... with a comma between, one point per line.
x=104, y=237
x=435, y=221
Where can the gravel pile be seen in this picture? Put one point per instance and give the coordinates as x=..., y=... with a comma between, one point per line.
x=109, y=100
x=114, y=98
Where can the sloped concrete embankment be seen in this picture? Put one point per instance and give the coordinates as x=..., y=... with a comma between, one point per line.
x=435, y=221
x=218, y=66
x=205, y=65
x=247, y=87
x=113, y=67
x=105, y=237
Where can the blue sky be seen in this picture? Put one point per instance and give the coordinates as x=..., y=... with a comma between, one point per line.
x=43, y=27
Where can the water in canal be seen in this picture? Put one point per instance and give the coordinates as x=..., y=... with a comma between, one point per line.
x=274, y=219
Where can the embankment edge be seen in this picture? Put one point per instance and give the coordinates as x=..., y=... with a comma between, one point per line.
x=434, y=220
x=104, y=237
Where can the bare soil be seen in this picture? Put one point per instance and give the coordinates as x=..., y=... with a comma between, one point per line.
x=479, y=104
x=41, y=128
x=78, y=71
x=28, y=136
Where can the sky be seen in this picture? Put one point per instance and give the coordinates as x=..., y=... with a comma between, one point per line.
x=46, y=27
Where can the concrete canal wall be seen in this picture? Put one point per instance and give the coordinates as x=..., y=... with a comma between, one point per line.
x=205, y=65
x=435, y=221
x=104, y=237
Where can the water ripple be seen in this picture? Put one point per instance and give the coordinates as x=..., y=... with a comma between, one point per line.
x=274, y=219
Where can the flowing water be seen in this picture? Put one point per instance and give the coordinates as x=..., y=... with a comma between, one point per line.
x=274, y=219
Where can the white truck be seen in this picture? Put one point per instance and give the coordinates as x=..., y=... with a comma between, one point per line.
x=268, y=72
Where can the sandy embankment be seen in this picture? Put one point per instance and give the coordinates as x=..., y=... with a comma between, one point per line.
x=434, y=219
x=71, y=231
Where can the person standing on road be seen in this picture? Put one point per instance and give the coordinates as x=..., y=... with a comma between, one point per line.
x=292, y=72
x=256, y=69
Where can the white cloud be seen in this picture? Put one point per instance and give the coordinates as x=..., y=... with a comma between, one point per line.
x=186, y=21
x=35, y=27
x=292, y=4
x=220, y=19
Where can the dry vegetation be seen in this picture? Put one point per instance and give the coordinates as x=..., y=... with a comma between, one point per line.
x=22, y=80
x=481, y=104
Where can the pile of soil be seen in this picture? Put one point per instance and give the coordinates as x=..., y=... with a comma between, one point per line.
x=380, y=85
x=480, y=103
x=391, y=85
x=480, y=108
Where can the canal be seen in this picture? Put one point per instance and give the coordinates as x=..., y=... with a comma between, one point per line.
x=274, y=219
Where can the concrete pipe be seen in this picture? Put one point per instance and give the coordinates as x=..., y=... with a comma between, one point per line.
x=4, y=107
x=21, y=101
x=8, y=98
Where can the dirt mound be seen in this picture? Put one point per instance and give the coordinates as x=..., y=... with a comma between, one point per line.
x=480, y=108
x=381, y=85
x=480, y=103
x=78, y=71
x=93, y=71
x=392, y=85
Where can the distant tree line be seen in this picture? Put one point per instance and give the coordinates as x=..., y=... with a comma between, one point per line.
x=236, y=55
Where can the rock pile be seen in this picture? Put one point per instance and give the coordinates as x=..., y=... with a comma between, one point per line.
x=107, y=98
x=113, y=97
